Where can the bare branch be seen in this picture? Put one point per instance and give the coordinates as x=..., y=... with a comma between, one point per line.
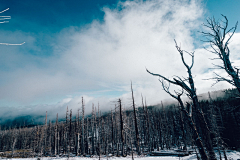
x=219, y=78
x=234, y=29
x=181, y=53
x=4, y=10
x=3, y=18
x=166, y=88
x=161, y=77
x=218, y=66
x=12, y=44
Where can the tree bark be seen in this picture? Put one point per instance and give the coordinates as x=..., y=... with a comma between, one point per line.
x=136, y=126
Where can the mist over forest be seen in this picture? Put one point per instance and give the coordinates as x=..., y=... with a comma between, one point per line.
x=118, y=78
x=20, y=117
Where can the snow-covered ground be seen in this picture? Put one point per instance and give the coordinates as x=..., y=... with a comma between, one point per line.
x=232, y=155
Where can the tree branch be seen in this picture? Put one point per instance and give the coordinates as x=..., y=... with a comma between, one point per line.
x=161, y=77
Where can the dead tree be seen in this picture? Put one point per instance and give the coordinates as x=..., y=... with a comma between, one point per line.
x=112, y=128
x=41, y=140
x=83, y=133
x=87, y=139
x=149, y=131
x=45, y=134
x=183, y=130
x=135, y=123
x=70, y=137
x=14, y=140
x=65, y=151
x=93, y=130
x=49, y=134
x=121, y=126
x=187, y=85
x=164, y=126
x=188, y=114
x=56, y=139
x=219, y=37
x=77, y=134
x=145, y=125
x=214, y=121
x=116, y=130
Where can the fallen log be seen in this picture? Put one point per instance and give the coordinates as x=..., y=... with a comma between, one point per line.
x=169, y=153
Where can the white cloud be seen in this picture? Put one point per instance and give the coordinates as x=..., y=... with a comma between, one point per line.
x=104, y=57
x=140, y=34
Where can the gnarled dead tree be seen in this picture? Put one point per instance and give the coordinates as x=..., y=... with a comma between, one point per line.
x=188, y=113
x=219, y=37
x=187, y=84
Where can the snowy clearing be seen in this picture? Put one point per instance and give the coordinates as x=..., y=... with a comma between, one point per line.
x=232, y=155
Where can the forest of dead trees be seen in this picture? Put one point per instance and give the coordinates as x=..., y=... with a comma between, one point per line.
x=210, y=125
x=117, y=133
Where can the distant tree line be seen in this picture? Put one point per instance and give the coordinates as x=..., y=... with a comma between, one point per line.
x=115, y=133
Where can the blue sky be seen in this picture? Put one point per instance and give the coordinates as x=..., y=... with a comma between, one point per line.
x=229, y=8
x=95, y=49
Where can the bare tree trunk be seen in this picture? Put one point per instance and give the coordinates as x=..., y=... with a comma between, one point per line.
x=58, y=146
x=70, y=133
x=42, y=134
x=45, y=134
x=190, y=89
x=83, y=139
x=113, y=139
x=197, y=139
x=14, y=136
x=77, y=134
x=149, y=133
x=50, y=138
x=93, y=129
x=121, y=124
x=65, y=149
x=135, y=122
x=87, y=135
x=77, y=144
x=144, y=126
x=183, y=129
x=56, y=137
x=116, y=130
